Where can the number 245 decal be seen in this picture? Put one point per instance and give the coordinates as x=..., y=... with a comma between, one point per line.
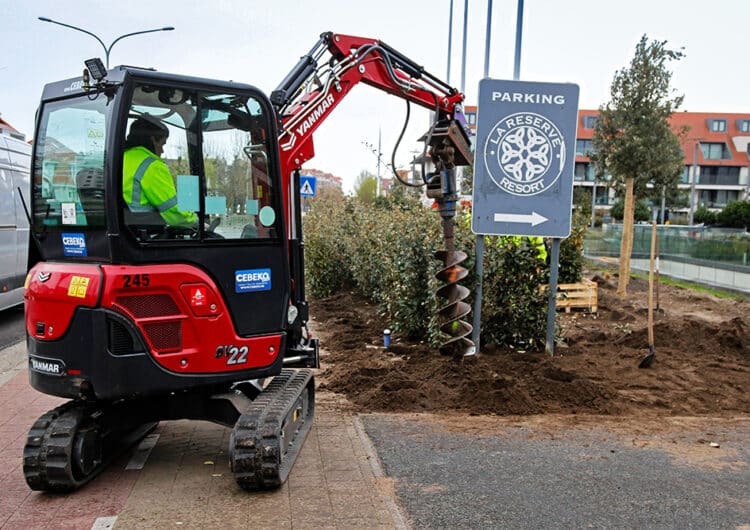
x=135, y=280
x=233, y=354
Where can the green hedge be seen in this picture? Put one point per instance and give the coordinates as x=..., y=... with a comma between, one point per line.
x=385, y=250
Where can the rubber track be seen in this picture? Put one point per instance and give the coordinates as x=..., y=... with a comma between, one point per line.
x=255, y=450
x=47, y=455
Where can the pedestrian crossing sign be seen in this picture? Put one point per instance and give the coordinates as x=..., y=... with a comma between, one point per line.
x=307, y=185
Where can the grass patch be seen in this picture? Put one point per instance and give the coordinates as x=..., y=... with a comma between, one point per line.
x=598, y=267
x=691, y=286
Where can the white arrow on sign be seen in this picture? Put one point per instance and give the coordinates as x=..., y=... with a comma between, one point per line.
x=533, y=218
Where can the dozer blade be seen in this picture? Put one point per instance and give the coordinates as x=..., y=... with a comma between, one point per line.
x=266, y=439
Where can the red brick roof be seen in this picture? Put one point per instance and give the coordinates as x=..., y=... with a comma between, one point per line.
x=698, y=123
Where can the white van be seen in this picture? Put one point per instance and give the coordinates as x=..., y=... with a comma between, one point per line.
x=15, y=163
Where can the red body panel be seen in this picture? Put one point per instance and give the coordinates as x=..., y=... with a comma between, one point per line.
x=54, y=291
x=177, y=308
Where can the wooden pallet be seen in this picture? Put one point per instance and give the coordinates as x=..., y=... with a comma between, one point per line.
x=580, y=295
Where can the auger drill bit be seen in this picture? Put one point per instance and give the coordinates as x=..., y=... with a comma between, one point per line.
x=442, y=188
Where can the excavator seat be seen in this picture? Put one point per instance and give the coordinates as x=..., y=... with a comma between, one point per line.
x=90, y=184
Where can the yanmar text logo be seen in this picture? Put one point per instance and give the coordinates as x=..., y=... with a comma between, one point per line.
x=308, y=122
x=46, y=366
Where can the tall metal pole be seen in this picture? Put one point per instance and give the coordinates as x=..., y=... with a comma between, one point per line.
x=593, y=204
x=450, y=44
x=377, y=191
x=692, y=182
x=463, y=51
x=476, y=332
x=552, y=302
x=107, y=49
x=519, y=34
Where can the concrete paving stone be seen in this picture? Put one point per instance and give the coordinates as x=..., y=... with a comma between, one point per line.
x=305, y=482
x=318, y=507
x=363, y=523
x=350, y=475
x=313, y=524
x=269, y=524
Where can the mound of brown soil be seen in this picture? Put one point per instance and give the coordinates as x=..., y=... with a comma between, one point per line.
x=702, y=361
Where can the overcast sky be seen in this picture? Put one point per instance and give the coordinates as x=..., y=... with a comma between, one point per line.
x=258, y=42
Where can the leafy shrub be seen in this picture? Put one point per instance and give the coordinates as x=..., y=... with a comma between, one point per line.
x=642, y=211
x=571, y=250
x=386, y=250
x=514, y=307
x=736, y=214
x=705, y=216
x=325, y=246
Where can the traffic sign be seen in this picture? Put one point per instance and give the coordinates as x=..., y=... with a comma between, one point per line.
x=307, y=186
x=524, y=159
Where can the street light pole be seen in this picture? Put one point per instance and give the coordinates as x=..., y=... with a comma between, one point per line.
x=692, y=182
x=107, y=49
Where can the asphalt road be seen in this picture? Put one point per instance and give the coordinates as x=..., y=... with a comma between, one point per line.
x=11, y=326
x=517, y=478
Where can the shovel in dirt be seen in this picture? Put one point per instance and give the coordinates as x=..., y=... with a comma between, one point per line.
x=648, y=359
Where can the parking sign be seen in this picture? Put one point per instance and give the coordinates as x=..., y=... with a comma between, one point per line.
x=524, y=159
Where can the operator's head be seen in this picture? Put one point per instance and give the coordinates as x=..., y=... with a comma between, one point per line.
x=149, y=134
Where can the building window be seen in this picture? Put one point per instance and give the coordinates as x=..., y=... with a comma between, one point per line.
x=471, y=118
x=584, y=172
x=717, y=125
x=584, y=147
x=720, y=175
x=590, y=121
x=717, y=198
x=715, y=151
x=602, y=196
x=743, y=126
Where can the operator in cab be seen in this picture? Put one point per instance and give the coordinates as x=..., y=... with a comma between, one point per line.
x=148, y=185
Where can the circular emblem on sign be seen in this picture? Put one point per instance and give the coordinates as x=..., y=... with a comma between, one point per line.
x=524, y=154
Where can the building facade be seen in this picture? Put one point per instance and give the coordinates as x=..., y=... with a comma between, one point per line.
x=715, y=151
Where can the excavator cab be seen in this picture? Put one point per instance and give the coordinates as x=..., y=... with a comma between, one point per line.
x=141, y=310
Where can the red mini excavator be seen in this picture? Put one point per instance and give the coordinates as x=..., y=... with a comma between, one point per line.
x=136, y=320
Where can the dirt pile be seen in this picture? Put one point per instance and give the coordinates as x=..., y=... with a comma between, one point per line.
x=702, y=361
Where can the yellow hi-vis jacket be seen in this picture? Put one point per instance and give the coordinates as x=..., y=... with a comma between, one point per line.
x=147, y=186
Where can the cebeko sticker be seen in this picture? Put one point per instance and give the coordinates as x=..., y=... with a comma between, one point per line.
x=251, y=280
x=74, y=244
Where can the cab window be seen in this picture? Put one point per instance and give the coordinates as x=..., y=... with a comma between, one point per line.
x=196, y=166
x=69, y=165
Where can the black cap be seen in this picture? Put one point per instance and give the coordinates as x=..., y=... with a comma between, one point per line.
x=144, y=127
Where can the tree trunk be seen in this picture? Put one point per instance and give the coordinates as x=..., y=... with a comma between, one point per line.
x=626, y=245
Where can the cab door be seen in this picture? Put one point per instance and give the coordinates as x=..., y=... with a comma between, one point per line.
x=221, y=154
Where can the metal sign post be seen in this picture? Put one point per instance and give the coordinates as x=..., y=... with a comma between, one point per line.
x=523, y=171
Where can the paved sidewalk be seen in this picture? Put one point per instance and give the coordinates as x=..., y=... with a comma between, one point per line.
x=186, y=481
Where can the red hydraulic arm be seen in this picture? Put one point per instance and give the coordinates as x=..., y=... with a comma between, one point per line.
x=314, y=88
x=310, y=92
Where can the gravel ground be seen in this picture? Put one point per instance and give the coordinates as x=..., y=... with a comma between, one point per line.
x=522, y=474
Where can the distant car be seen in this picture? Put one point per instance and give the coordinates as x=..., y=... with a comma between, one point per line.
x=15, y=164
